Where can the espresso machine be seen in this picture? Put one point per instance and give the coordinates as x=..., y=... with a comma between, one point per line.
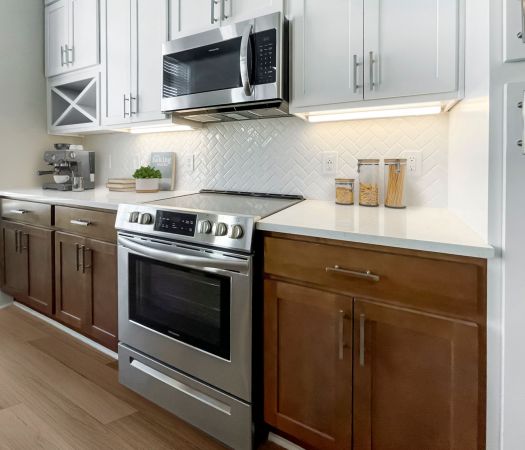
x=68, y=164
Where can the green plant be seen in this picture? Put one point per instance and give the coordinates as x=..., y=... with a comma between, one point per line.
x=147, y=172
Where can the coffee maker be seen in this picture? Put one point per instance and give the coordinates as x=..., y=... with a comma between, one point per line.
x=69, y=164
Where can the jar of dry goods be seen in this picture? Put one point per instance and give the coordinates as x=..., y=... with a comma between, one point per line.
x=368, y=170
x=395, y=186
x=344, y=191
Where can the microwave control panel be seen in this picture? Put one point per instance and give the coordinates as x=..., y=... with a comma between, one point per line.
x=176, y=223
x=265, y=43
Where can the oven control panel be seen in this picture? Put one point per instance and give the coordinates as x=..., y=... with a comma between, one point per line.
x=221, y=230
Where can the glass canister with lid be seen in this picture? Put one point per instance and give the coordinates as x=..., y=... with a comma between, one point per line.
x=368, y=170
x=395, y=186
x=344, y=191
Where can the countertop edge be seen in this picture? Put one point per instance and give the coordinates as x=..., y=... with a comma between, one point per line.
x=484, y=252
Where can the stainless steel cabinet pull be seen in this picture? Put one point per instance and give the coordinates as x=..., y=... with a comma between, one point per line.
x=82, y=223
x=77, y=257
x=341, y=333
x=213, y=19
x=82, y=258
x=521, y=34
x=83, y=263
x=362, y=322
x=356, y=65
x=24, y=237
x=371, y=74
x=223, y=10
x=352, y=273
x=131, y=100
x=62, y=55
x=20, y=212
x=245, y=73
x=70, y=51
x=126, y=99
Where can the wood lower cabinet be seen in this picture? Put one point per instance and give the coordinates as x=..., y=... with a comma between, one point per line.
x=416, y=380
x=308, y=364
x=86, y=286
x=27, y=264
x=417, y=340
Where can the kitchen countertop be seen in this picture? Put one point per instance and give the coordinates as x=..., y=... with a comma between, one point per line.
x=427, y=229
x=100, y=198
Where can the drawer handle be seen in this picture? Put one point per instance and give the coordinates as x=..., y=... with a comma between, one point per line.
x=81, y=223
x=20, y=212
x=352, y=273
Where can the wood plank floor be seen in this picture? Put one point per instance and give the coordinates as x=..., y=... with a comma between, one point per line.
x=58, y=393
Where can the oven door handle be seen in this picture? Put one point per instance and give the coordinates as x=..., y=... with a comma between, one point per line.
x=185, y=260
x=245, y=72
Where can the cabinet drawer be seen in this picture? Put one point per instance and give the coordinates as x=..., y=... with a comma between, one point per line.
x=27, y=212
x=447, y=286
x=93, y=224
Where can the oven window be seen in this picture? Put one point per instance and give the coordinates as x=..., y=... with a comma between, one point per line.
x=188, y=305
x=203, y=69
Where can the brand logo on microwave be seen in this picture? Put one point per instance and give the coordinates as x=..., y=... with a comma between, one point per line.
x=211, y=50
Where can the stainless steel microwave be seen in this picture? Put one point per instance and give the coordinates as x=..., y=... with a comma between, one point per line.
x=235, y=72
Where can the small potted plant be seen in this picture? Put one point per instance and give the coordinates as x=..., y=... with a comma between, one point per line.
x=147, y=179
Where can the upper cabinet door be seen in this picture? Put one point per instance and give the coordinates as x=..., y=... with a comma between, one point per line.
x=117, y=108
x=238, y=10
x=147, y=39
x=56, y=38
x=193, y=16
x=327, y=52
x=84, y=33
x=410, y=48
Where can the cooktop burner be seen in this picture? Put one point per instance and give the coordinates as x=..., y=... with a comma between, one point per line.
x=223, y=219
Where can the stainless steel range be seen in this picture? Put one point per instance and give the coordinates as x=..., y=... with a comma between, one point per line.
x=186, y=278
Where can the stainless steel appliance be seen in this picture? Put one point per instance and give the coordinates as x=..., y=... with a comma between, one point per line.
x=187, y=307
x=69, y=164
x=235, y=72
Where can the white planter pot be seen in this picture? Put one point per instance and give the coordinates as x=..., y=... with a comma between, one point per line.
x=147, y=184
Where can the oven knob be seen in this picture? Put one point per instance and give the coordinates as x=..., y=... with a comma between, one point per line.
x=236, y=232
x=204, y=227
x=134, y=217
x=146, y=219
x=221, y=229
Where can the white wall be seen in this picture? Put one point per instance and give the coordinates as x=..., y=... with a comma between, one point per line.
x=285, y=155
x=23, y=135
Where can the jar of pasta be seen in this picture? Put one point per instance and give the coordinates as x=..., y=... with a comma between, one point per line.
x=395, y=186
x=368, y=170
x=344, y=191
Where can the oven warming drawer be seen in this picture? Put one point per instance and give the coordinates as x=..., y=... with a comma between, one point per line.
x=223, y=417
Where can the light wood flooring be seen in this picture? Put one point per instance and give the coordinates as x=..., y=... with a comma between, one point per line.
x=58, y=393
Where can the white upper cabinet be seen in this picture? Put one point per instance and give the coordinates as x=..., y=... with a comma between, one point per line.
x=327, y=54
x=132, y=86
x=56, y=37
x=71, y=35
x=410, y=49
x=193, y=16
x=359, y=53
x=188, y=17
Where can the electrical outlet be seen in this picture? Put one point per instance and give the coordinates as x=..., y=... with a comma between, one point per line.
x=329, y=163
x=189, y=161
x=414, y=163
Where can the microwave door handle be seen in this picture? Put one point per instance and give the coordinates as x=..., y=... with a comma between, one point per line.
x=245, y=73
x=185, y=260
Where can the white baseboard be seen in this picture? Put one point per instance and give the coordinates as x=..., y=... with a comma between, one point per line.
x=67, y=330
x=285, y=443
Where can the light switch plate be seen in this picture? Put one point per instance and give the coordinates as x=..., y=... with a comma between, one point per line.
x=189, y=162
x=414, y=163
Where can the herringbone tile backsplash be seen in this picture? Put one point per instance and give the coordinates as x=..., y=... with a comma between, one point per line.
x=285, y=155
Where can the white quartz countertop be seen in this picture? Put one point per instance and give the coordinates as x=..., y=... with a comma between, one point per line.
x=426, y=229
x=100, y=198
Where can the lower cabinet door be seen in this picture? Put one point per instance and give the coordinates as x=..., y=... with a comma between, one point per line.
x=101, y=313
x=37, y=243
x=308, y=365
x=71, y=279
x=14, y=260
x=416, y=381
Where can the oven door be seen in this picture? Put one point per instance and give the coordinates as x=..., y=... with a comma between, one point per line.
x=188, y=307
x=239, y=63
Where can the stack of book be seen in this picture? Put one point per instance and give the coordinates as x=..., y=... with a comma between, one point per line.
x=121, y=184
